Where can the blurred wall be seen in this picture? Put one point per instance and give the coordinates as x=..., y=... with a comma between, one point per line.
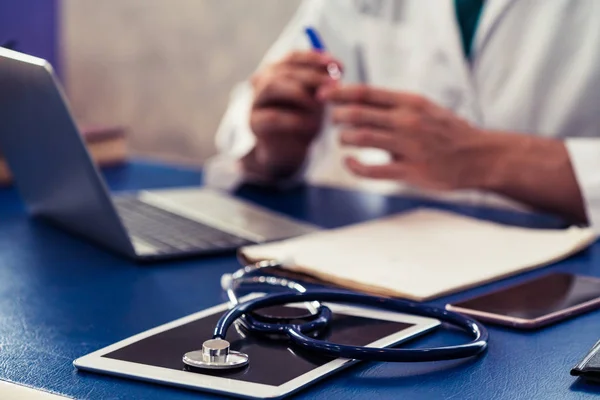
x=164, y=69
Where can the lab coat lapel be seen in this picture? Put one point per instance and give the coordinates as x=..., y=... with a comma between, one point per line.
x=460, y=93
x=492, y=13
x=382, y=47
x=449, y=80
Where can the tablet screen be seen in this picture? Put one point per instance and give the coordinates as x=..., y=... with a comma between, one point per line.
x=272, y=362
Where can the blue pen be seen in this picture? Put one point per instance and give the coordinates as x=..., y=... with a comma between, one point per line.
x=315, y=40
x=317, y=44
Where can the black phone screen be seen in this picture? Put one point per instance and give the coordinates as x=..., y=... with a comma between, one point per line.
x=537, y=297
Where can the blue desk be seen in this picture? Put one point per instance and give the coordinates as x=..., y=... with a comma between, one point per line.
x=62, y=297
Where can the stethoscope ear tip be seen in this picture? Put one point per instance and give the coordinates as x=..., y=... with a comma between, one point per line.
x=226, y=281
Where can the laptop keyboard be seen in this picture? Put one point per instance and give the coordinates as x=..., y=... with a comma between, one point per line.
x=170, y=232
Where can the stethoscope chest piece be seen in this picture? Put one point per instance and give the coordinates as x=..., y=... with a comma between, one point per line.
x=215, y=354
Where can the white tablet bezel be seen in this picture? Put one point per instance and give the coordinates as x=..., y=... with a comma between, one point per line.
x=96, y=363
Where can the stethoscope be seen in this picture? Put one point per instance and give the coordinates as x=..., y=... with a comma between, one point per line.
x=217, y=354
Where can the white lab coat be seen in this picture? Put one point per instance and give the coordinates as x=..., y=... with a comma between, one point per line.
x=535, y=69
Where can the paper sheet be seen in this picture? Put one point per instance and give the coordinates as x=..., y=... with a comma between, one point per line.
x=422, y=254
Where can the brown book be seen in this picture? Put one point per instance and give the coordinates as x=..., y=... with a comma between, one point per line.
x=5, y=177
x=106, y=145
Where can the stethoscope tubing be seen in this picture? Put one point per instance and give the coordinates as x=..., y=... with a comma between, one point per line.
x=296, y=332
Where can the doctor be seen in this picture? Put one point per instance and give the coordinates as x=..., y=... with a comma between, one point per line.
x=491, y=102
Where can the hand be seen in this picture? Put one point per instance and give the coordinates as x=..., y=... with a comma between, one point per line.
x=431, y=148
x=286, y=115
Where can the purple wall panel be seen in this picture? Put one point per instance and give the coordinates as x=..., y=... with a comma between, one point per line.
x=33, y=26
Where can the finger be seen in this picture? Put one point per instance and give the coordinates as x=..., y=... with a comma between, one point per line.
x=359, y=94
x=363, y=94
x=273, y=121
x=375, y=138
x=392, y=171
x=279, y=145
x=361, y=115
x=310, y=78
x=284, y=93
x=313, y=59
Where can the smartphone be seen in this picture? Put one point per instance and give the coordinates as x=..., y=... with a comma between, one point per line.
x=534, y=303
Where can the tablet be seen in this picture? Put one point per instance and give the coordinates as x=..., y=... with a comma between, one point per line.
x=276, y=369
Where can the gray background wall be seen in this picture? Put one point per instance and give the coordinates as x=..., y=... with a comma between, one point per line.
x=164, y=68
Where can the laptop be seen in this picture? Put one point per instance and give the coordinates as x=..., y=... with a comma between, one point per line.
x=59, y=182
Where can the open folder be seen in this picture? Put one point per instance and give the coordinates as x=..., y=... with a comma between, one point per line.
x=422, y=254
